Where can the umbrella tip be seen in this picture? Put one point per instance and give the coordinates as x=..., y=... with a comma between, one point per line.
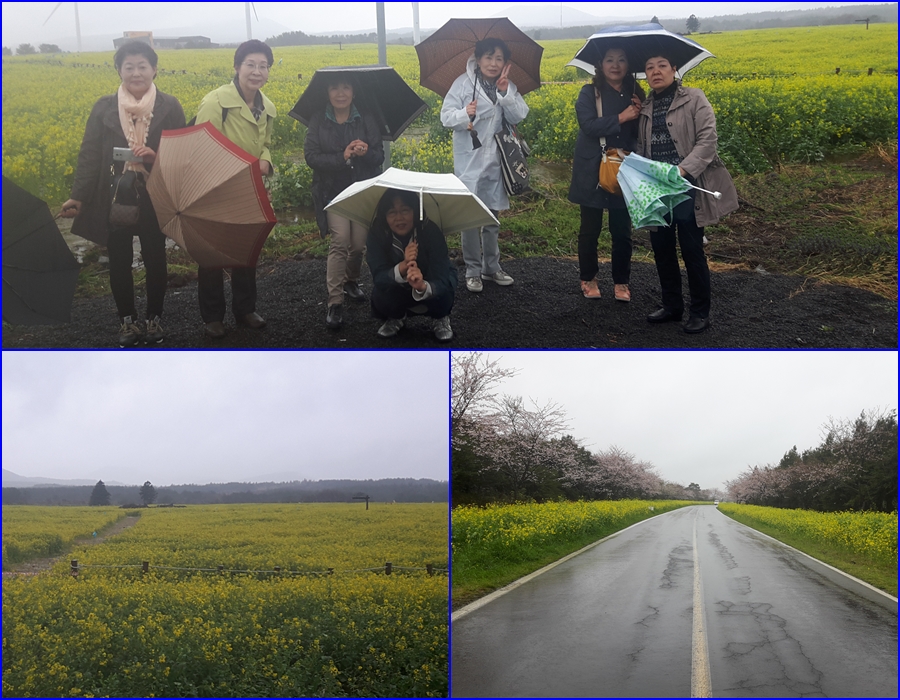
x=717, y=195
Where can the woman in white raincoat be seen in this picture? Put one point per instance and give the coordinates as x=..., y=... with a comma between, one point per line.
x=479, y=100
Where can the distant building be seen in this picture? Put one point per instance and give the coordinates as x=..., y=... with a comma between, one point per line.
x=161, y=42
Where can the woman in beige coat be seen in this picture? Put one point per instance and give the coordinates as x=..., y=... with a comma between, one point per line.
x=677, y=126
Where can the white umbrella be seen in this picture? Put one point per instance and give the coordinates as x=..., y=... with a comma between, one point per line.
x=444, y=198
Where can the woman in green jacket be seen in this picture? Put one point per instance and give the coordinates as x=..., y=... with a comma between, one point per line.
x=245, y=116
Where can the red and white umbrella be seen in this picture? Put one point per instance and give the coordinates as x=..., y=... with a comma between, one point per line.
x=210, y=198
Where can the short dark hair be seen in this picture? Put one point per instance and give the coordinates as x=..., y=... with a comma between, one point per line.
x=629, y=83
x=135, y=48
x=489, y=45
x=661, y=54
x=380, y=226
x=252, y=46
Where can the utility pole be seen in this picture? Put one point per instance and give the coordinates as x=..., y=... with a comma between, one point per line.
x=382, y=60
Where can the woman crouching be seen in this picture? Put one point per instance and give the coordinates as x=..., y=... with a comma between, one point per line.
x=410, y=265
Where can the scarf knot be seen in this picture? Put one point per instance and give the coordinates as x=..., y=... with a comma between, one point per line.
x=135, y=116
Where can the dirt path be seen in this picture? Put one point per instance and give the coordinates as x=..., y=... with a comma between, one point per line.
x=36, y=566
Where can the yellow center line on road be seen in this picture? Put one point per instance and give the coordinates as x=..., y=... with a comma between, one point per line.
x=700, y=683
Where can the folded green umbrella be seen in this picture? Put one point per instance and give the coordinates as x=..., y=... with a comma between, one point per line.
x=651, y=190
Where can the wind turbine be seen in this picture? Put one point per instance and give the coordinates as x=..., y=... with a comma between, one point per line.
x=247, y=6
x=77, y=23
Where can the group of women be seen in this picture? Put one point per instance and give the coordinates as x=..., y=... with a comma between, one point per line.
x=407, y=255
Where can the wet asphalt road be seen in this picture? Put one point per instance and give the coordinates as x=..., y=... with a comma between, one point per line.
x=617, y=621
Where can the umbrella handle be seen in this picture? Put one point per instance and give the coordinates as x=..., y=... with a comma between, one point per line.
x=717, y=195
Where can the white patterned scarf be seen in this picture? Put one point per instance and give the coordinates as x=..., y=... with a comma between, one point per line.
x=135, y=116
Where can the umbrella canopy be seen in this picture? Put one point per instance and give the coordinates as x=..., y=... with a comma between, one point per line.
x=39, y=271
x=443, y=55
x=651, y=190
x=209, y=197
x=444, y=199
x=640, y=42
x=377, y=89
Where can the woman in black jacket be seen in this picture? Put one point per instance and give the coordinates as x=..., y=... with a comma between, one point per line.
x=142, y=111
x=343, y=146
x=411, y=266
x=621, y=97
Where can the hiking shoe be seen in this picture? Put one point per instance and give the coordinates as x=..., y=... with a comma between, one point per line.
x=589, y=289
x=155, y=333
x=442, y=330
x=499, y=277
x=390, y=327
x=473, y=284
x=129, y=333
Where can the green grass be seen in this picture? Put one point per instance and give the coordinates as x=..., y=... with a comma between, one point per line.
x=878, y=574
x=833, y=222
x=479, y=571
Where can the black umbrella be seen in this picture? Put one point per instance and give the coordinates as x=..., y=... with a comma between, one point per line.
x=39, y=271
x=640, y=43
x=377, y=89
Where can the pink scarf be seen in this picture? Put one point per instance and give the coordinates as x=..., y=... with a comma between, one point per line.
x=135, y=116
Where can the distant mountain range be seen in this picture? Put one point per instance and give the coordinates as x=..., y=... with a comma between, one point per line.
x=13, y=480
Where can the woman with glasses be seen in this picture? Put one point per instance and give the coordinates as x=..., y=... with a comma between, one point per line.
x=410, y=265
x=245, y=116
x=132, y=118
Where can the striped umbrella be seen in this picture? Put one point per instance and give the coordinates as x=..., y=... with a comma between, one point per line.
x=210, y=198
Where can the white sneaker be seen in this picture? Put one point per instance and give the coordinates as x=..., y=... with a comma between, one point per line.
x=390, y=327
x=473, y=284
x=442, y=330
x=499, y=277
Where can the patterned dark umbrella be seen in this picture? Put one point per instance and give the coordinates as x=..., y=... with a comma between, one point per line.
x=443, y=55
x=641, y=42
x=377, y=89
x=39, y=271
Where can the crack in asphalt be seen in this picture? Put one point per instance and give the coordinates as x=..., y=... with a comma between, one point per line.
x=775, y=655
x=743, y=585
x=722, y=550
x=681, y=561
x=643, y=621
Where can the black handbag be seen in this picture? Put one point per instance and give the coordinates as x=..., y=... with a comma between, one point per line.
x=513, y=166
x=126, y=192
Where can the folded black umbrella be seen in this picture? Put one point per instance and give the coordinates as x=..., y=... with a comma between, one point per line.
x=39, y=271
x=378, y=90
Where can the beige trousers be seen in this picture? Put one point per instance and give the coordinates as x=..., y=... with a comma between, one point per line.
x=345, y=255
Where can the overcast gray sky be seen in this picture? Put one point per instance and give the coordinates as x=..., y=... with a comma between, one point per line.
x=24, y=22
x=704, y=416
x=200, y=417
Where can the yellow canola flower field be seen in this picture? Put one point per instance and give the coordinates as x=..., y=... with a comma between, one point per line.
x=873, y=535
x=113, y=632
x=530, y=524
x=36, y=531
x=775, y=92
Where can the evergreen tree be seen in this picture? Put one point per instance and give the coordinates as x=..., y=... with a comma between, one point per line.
x=148, y=493
x=692, y=24
x=99, y=496
x=25, y=50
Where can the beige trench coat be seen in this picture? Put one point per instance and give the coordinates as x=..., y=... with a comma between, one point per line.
x=692, y=124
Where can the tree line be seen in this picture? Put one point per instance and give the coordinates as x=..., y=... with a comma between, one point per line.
x=854, y=468
x=325, y=491
x=506, y=450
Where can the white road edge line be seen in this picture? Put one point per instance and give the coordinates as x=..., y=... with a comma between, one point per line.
x=700, y=683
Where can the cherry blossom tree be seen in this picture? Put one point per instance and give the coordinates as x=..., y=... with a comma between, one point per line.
x=523, y=442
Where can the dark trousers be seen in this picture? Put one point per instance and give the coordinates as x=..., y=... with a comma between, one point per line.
x=690, y=238
x=211, y=292
x=589, y=234
x=396, y=301
x=121, y=255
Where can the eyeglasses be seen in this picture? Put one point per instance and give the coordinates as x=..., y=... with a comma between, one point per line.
x=262, y=67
